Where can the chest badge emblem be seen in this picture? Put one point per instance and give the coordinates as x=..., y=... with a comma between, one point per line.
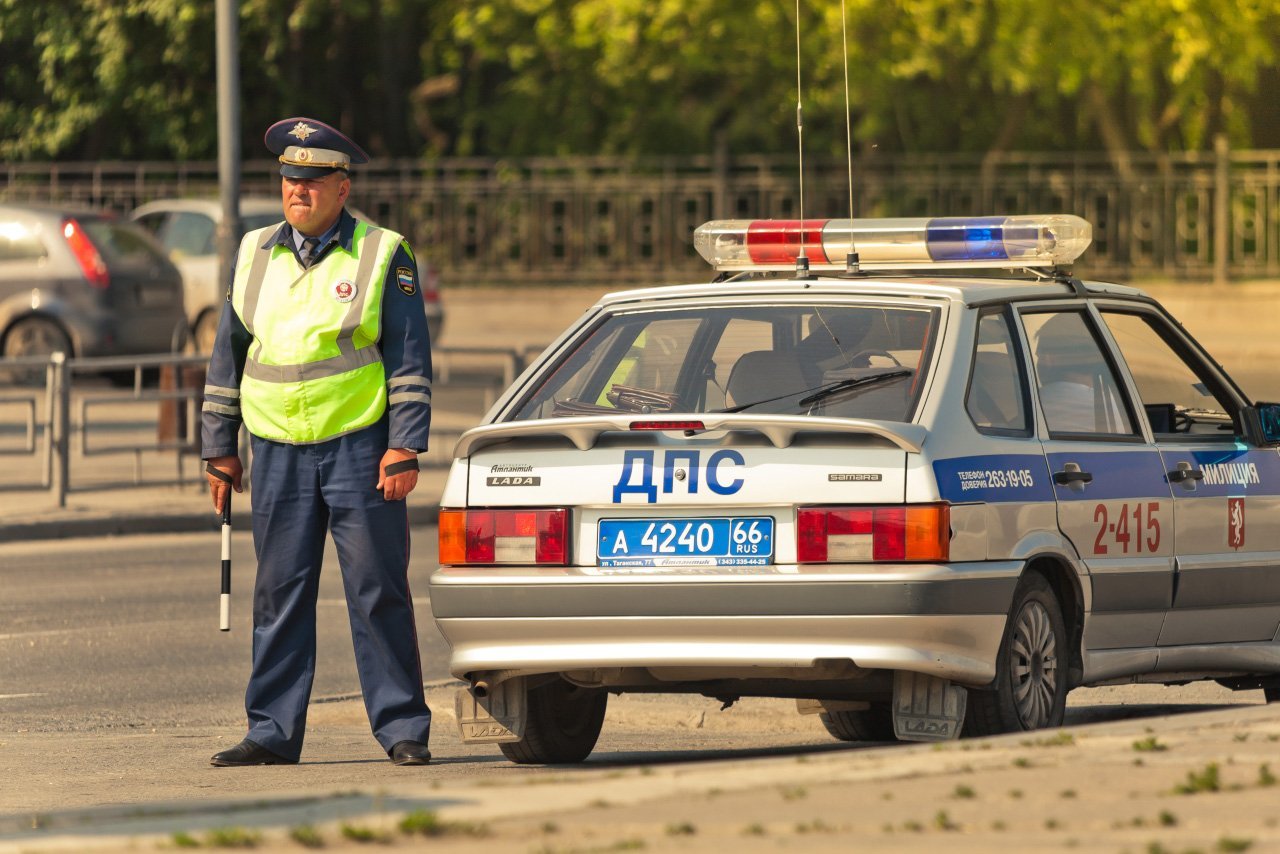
x=344, y=291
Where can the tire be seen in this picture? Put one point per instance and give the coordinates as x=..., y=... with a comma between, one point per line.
x=562, y=726
x=873, y=724
x=34, y=336
x=203, y=333
x=1271, y=692
x=1030, y=690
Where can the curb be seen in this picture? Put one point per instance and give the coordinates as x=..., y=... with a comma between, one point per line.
x=109, y=525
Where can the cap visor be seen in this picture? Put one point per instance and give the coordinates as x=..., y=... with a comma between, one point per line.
x=290, y=171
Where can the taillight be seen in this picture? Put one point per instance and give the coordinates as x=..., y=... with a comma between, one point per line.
x=91, y=263
x=538, y=537
x=902, y=532
x=430, y=284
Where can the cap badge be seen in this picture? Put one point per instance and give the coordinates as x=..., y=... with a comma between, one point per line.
x=302, y=155
x=302, y=130
x=344, y=291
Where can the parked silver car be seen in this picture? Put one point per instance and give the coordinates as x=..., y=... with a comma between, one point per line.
x=84, y=283
x=187, y=228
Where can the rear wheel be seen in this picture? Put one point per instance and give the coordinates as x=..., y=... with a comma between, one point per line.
x=33, y=336
x=562, y=725
x=203, y=333
x=1030, y=690
x=873, y=724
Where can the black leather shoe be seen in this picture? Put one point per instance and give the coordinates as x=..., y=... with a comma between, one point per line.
x=248, y=753
x=410, y=753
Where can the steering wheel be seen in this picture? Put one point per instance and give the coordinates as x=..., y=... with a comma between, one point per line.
x=867, y=354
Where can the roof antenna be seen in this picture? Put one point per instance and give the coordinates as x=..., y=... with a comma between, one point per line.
x=802, y=260
x=851, y=265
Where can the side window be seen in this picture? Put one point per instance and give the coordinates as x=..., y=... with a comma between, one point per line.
x=189, y=234
x=1177, y=389
x=1077, y=387
x=996, y=400
x=19, y=243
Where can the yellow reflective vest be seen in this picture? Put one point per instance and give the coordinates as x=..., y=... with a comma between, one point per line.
x=313, y=371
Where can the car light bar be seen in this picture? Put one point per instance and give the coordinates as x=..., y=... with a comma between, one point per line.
x=894, y=533
x=1048, y=240
x=517, y=536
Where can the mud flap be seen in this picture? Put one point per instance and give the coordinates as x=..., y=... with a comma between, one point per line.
x=926, y=708
x=496, y=718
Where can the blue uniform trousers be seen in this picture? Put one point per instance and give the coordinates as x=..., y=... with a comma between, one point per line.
x=299, y=491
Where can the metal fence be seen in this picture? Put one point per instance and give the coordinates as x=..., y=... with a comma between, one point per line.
x=67, y=431
x=1194, y=215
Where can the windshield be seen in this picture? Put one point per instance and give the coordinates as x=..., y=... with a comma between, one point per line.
x=852, y=361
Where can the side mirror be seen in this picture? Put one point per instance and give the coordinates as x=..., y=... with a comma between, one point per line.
x=1262, y=424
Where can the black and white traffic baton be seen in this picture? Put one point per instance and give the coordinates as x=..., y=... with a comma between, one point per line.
x=224, y=600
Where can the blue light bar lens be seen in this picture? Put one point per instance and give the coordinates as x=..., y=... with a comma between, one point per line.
x=966, y=238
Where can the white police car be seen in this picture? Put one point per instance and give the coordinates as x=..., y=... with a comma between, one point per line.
x=914, y=497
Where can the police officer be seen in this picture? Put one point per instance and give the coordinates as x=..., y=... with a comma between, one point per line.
x=322, y=353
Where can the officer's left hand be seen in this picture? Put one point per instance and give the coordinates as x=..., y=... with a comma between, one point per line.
x=397, y=486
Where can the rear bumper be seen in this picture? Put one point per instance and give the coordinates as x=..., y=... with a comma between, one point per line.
x=944, y=621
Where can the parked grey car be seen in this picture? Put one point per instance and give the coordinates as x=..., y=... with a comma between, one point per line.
x=187, y=228
x=84, y=283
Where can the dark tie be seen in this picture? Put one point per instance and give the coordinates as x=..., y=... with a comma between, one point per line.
x=310, y=248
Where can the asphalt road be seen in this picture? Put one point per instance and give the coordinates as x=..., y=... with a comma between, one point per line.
x=122, y=632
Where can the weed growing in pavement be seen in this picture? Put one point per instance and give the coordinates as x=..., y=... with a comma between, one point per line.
x=1060, y=739
x=427, y=823
x=793, y=793
x=1067, y=794
x=1265, y=777
x=1016, y=794
x=753, y=830
x=1168, y=819
x=815, y=826
x=361, y=834
x=182, y=839
x=550, y=827
x=1051, y=824
x=306, y=836
x=1206, y=780
x=599, y=803
x=1241, y=736
x=684, y=828
x=1227, y=843
x=942, y=821
x=232, y=837
x=886, y=796
x=963, y=791
x=998, y=825
x=1137, y=760
x=913, y=826
x=1022, y=762
x=1150, y=744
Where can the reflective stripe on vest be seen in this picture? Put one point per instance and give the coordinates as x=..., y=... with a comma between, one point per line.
x=314, y=371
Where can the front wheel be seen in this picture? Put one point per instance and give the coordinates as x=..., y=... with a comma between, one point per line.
x=873, y=724
x=34, y=336
x=562, y=725
x=1030, y=690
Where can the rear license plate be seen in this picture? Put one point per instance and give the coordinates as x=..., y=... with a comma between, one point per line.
x=715, y=541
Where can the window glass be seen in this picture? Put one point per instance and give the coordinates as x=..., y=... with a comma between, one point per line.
x=842, y=361
x=189, y=234
x=151, y=222
x=995, y=399
x=1078, y=390
x=120, y=243
x=19, y=243
x=256, y=221
x=1174, y=395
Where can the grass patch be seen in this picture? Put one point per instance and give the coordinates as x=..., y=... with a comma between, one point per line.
x=1168, y=819
x=1022, y=762
x=1205, y=780
x=182, y=839
x=1067, y=794
x=1265, y=777
x=683, y=828
x=753, y=830
x=364, y=835
x=963, y=791
x=1227, y=843
x=942, y=821
x=1060, y=739
x=1150, y=744
x=306, y=836
x=427, y=823
x=793, y=793
x=232, y=837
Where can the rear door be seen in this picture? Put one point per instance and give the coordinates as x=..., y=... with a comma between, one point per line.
x=1225, y=493
x=1114, y=503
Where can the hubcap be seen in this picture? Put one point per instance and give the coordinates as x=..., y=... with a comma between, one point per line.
x=1033, y=653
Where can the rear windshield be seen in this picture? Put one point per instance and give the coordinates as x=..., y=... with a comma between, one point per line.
x=832, y=360
x=122, y=244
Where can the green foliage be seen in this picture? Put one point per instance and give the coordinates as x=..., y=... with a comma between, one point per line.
x=306, y=836
x=1150, y=744
x=1205, y=780
x=135, y=79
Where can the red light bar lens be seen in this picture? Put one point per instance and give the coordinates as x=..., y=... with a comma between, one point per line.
x=667, y=425
x=896, y=533
x=524, y=536
x=778, y=241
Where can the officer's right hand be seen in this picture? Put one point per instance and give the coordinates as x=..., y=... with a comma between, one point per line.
x=218, y=488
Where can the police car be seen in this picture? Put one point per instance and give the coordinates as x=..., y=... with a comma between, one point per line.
x=909, y=472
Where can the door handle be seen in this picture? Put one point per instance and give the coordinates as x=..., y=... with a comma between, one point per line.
x=1185, y=472
x=1072, y=477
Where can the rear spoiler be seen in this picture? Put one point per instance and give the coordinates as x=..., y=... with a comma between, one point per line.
x=781, y=430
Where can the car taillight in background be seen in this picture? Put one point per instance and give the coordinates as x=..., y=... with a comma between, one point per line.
x=430, y=283
x=521, y=536
x=910, y=532
x=86, y=254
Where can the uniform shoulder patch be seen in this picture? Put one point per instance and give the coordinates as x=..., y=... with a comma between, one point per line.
x=407, y=282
